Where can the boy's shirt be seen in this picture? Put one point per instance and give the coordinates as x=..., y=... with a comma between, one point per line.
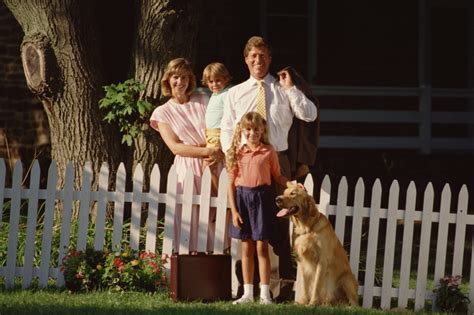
x=215, y=109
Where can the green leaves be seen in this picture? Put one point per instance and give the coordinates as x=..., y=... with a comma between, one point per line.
x=125, y=108
x=129, y=270
x=449, y=297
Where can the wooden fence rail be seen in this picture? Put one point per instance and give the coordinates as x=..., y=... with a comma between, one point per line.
x=417, y=247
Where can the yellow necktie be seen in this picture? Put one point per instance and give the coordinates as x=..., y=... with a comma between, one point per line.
x=261, y=107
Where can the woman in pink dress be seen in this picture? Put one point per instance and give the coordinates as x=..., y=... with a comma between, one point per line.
x=181, y=123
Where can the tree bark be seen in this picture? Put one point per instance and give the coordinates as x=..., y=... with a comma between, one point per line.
x=65, y=56
x=166, y=30
x=72, y=84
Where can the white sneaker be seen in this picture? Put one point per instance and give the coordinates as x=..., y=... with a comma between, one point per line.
x=264, y=300
x=244, y=300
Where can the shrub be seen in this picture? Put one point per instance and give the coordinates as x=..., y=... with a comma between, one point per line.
x=449, y=297
x=83, y=270
x=125, y=108
x=129, y=270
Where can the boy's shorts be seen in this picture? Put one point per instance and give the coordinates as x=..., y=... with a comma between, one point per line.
x=213, y=140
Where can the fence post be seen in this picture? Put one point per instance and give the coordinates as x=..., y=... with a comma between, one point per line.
x=101, y=207
x=14, y=222
x=441, y=245
x=372, y=244
x=423, y=256
x=48, y=224
x=154, y=198
x=461, y=219
x=31, y=225
x=405, y=265
x=135, y=220
x=389, y=247
x=357, y=227
x=66, y=215
x=85, y=204
x=2, y=188
x=204, y=209
x=117, y=233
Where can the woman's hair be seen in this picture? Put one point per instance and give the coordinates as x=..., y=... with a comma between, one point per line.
x=258, y=42
x=179, y=66
x=216, y=70
x=249, y=120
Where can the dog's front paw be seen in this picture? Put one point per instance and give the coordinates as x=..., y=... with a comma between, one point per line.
x=301, y=301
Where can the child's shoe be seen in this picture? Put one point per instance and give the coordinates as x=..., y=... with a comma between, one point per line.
x=243, y=300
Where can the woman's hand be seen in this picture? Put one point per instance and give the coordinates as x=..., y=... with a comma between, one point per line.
x=178, y=147
x=215, y=156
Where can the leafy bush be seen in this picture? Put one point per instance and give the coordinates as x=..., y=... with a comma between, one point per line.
x=83, y=270
x=129, y=270
x=125, y=108
x=449, y=297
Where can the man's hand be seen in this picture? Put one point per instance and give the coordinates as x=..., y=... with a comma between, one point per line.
x=285, y=79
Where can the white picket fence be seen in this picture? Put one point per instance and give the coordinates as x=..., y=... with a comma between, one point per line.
x=439, y=218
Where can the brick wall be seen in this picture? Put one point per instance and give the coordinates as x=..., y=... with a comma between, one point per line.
x=23, y=123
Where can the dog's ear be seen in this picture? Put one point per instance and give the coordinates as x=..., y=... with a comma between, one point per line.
x=292, y=183
x=301, y=186
x=311, y=206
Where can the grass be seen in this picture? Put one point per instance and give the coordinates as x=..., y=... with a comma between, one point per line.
x=62, y=302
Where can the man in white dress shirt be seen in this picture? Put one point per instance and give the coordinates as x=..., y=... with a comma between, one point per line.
x=283, y=102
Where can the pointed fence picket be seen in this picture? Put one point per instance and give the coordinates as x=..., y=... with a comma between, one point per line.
x=31, y=226
x=364, y=227
x=153, y=202
x=84, y=205
x=389, y=254
x=405, y=266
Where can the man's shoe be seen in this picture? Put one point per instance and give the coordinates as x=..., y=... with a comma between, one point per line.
x=286, y=291
x=265, y=300
x=243, y=300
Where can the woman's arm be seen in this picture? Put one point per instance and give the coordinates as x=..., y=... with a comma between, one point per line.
x=179, y=148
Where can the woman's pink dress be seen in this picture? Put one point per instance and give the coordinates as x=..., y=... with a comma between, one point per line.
x=188, y=123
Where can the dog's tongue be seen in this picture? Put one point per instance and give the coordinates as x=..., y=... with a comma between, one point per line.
x=282, y=213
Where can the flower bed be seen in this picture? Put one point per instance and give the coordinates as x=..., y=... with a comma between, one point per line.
x=129, y=270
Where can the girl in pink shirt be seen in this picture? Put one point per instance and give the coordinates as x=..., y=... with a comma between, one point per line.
x=251, y=168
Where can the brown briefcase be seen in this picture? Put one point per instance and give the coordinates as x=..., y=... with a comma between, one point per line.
x=201, y=277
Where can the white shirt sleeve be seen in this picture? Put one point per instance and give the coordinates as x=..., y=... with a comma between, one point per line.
x=227, y=122
x=302, y=107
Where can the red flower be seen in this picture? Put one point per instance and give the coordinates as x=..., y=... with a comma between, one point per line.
x=118, y=263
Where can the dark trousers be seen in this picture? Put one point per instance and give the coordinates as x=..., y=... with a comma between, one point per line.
x=281, y=243
x=283, y=249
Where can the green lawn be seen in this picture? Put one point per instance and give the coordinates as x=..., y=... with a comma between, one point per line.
x=61, y=302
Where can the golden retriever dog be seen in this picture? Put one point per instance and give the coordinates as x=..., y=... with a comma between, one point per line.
x=326, y=275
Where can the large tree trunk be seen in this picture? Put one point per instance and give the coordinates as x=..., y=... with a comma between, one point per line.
x=166, y=30
x=62, y=67
x=61, y=53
